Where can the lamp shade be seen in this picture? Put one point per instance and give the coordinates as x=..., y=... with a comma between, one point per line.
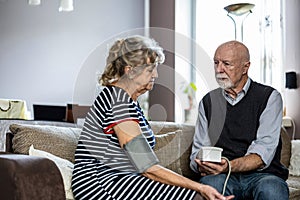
x=291, y=80
x=239, y=8
x=238, y=13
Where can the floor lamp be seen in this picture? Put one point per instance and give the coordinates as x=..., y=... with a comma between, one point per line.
x=239, y=11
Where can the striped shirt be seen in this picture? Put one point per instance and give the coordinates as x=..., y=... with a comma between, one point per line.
x=102, y=169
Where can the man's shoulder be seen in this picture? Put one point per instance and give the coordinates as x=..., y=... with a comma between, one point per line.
x=261, y=85
x=262, y=88
x=262, y=91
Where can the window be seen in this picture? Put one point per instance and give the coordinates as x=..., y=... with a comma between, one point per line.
x=207, y=25
x=261, y=33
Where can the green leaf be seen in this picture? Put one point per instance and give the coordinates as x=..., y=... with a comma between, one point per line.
x=193, y=86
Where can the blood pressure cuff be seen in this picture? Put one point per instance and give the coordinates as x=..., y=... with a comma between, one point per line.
x=140, y=153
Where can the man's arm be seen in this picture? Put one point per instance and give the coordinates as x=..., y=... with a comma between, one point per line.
x=246, y=163
x=201, y=137
x=268, y=132
x=262, y=150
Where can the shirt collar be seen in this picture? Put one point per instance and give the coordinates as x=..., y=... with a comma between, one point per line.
x=240, y=95
x=245, y=88
x=247, y=85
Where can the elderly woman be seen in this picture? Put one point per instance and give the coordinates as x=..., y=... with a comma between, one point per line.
x=114, y=157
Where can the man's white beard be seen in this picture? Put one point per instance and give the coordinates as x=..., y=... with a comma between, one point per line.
x=224, y=84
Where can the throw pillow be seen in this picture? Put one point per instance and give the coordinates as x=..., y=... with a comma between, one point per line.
x=167, y=149
x=65, y=167
x=60, y=141
x=295, y=158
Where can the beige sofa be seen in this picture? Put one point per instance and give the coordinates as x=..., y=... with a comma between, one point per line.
x=173, y=149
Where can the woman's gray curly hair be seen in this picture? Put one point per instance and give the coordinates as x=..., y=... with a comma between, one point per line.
x=133, y=51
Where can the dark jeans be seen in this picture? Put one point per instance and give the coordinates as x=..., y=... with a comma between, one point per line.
x=254, y=186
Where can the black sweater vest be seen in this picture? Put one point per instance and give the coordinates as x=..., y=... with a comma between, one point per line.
x=240, y=123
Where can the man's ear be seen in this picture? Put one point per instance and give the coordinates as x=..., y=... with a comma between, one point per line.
x=246, y=67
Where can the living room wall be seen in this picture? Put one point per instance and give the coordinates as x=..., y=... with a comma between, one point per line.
x=291, y=52
x=43, y=50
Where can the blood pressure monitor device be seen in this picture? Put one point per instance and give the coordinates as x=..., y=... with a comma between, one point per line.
x=210, y=154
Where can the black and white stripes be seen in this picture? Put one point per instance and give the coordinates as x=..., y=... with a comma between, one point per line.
x=102, y=169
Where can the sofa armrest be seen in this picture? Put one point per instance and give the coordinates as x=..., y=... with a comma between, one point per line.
x=29, y=177
x=8, y=142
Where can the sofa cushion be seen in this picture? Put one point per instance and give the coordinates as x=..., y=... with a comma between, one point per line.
x=5, y=123
x=295, y=158
x=294, y=187
x=184, y=139
x=60, y=141
x=167, y=150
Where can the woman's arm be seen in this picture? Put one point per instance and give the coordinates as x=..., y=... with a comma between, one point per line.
x=128, y=130
x=166, y=176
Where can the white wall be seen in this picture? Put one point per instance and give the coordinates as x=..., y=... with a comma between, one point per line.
x=292, y=58
x=43, y=51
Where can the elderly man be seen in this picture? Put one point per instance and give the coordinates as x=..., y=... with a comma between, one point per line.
x=243, y=118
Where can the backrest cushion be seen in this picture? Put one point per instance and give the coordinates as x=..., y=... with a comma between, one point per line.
x=167, y=150
x=5, y=123
x=60, y=141
x=186, y=142
x=181, y=145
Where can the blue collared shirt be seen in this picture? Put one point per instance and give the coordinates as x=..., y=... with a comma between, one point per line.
x=239, y=96
x=268, y=132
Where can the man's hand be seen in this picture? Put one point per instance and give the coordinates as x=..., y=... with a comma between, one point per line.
x=243, y=164
x=207, y=168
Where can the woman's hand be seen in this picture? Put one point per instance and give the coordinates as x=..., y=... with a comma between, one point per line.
x=211, y=193
x=206, y=168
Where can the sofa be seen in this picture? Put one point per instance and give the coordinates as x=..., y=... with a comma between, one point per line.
x=38, y=157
